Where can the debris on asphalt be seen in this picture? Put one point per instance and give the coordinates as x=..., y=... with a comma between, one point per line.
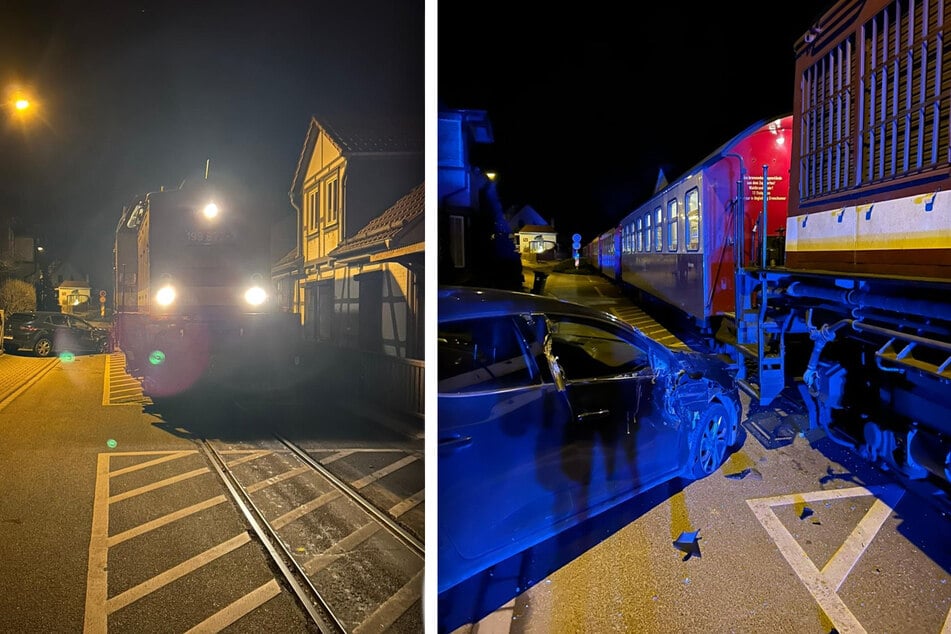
x=806, y=512
x=687, y=543
x=739, y=475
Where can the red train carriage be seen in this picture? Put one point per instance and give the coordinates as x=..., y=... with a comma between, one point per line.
x=680, y=245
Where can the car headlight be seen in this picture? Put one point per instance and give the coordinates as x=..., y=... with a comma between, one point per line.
x=255, y=296
x=165, y=295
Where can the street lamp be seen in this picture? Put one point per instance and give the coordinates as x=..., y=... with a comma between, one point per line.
x=20, y=103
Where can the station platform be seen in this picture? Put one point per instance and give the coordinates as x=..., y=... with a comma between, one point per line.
x=596, y=291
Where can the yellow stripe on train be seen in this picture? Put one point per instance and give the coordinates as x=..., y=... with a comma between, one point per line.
x=916, y=222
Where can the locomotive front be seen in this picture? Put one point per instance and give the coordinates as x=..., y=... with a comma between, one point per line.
x=202, y=312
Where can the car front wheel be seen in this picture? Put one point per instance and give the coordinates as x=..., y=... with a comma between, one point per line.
x=43, y=347
x=708, y=441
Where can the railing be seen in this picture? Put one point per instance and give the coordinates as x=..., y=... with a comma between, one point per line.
x=393, y=383
x=388, y=383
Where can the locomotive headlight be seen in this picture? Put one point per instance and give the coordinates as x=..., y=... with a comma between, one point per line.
x=255, y=296
x=165, y=295
x=210, y=210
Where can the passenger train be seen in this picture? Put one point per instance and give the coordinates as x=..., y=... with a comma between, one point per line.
x=192, y=295
x=815, y=247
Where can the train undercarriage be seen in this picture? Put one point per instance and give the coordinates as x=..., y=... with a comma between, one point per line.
x=870, y=357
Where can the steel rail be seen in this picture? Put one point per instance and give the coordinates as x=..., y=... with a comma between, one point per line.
x=304, y=590
x=398, y=531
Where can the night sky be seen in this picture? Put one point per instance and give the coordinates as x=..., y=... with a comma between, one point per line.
x=134, y=95
x=589, y=102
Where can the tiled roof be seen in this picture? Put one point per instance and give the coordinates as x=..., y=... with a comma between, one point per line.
x=373, y=134
x=388, y=226
x=359, y=134
x=536, y=229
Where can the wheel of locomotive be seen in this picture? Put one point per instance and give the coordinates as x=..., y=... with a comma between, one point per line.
x=709, y=441
x=105, y=346
x=43, y=347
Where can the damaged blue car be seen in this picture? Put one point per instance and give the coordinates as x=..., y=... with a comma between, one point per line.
x=550, y=412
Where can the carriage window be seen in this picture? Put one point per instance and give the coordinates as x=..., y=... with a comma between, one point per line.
x=692, y=229
x=482, y=354
x=673, y=212
x=658, y=229
x=648, y=233
x=638, y=236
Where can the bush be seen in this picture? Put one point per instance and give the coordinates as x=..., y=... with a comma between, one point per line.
x=17, y=296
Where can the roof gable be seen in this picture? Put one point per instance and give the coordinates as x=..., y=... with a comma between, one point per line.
x=359, y=135
x=386, y=230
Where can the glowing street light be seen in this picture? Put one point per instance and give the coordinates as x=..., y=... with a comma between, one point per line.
x=20, y=103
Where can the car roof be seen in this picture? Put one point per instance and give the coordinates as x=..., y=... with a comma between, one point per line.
x=464, y=302
x=37, y=313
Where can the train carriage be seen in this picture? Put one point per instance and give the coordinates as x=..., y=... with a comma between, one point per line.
x=679, y=246
x=608, y=260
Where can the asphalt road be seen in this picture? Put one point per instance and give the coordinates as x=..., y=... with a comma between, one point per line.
x=112, y=520
x=803, y=538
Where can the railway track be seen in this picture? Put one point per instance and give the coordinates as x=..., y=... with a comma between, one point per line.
x=339, y=537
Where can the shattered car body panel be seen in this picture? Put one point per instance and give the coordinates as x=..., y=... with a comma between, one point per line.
x=551, y=412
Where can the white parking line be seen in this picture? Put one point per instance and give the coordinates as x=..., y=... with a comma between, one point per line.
x=824, y=584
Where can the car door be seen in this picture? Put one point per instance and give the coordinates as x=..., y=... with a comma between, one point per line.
x=82, y=335
x=618, y=441
x=62, y=335
x=500, y=477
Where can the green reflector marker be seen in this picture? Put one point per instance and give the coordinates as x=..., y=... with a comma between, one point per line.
x=67, y=357
x=157, y=357
x=111, y=443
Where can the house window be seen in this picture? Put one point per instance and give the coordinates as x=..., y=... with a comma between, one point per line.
x=333, y=201
x=311, y=205
x=673, y=217
x=457, y=241
x=692, y=229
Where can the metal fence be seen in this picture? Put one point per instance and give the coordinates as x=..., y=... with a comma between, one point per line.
x=388, y=383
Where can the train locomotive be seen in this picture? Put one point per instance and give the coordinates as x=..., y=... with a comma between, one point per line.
x=192, y=296
x=815, y=248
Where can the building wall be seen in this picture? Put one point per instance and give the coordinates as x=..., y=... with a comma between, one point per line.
x=525, y=240
x=321, y=226
x=391, y=304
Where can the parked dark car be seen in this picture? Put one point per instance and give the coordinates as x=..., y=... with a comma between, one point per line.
x=550, y=412
x=48, y=332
